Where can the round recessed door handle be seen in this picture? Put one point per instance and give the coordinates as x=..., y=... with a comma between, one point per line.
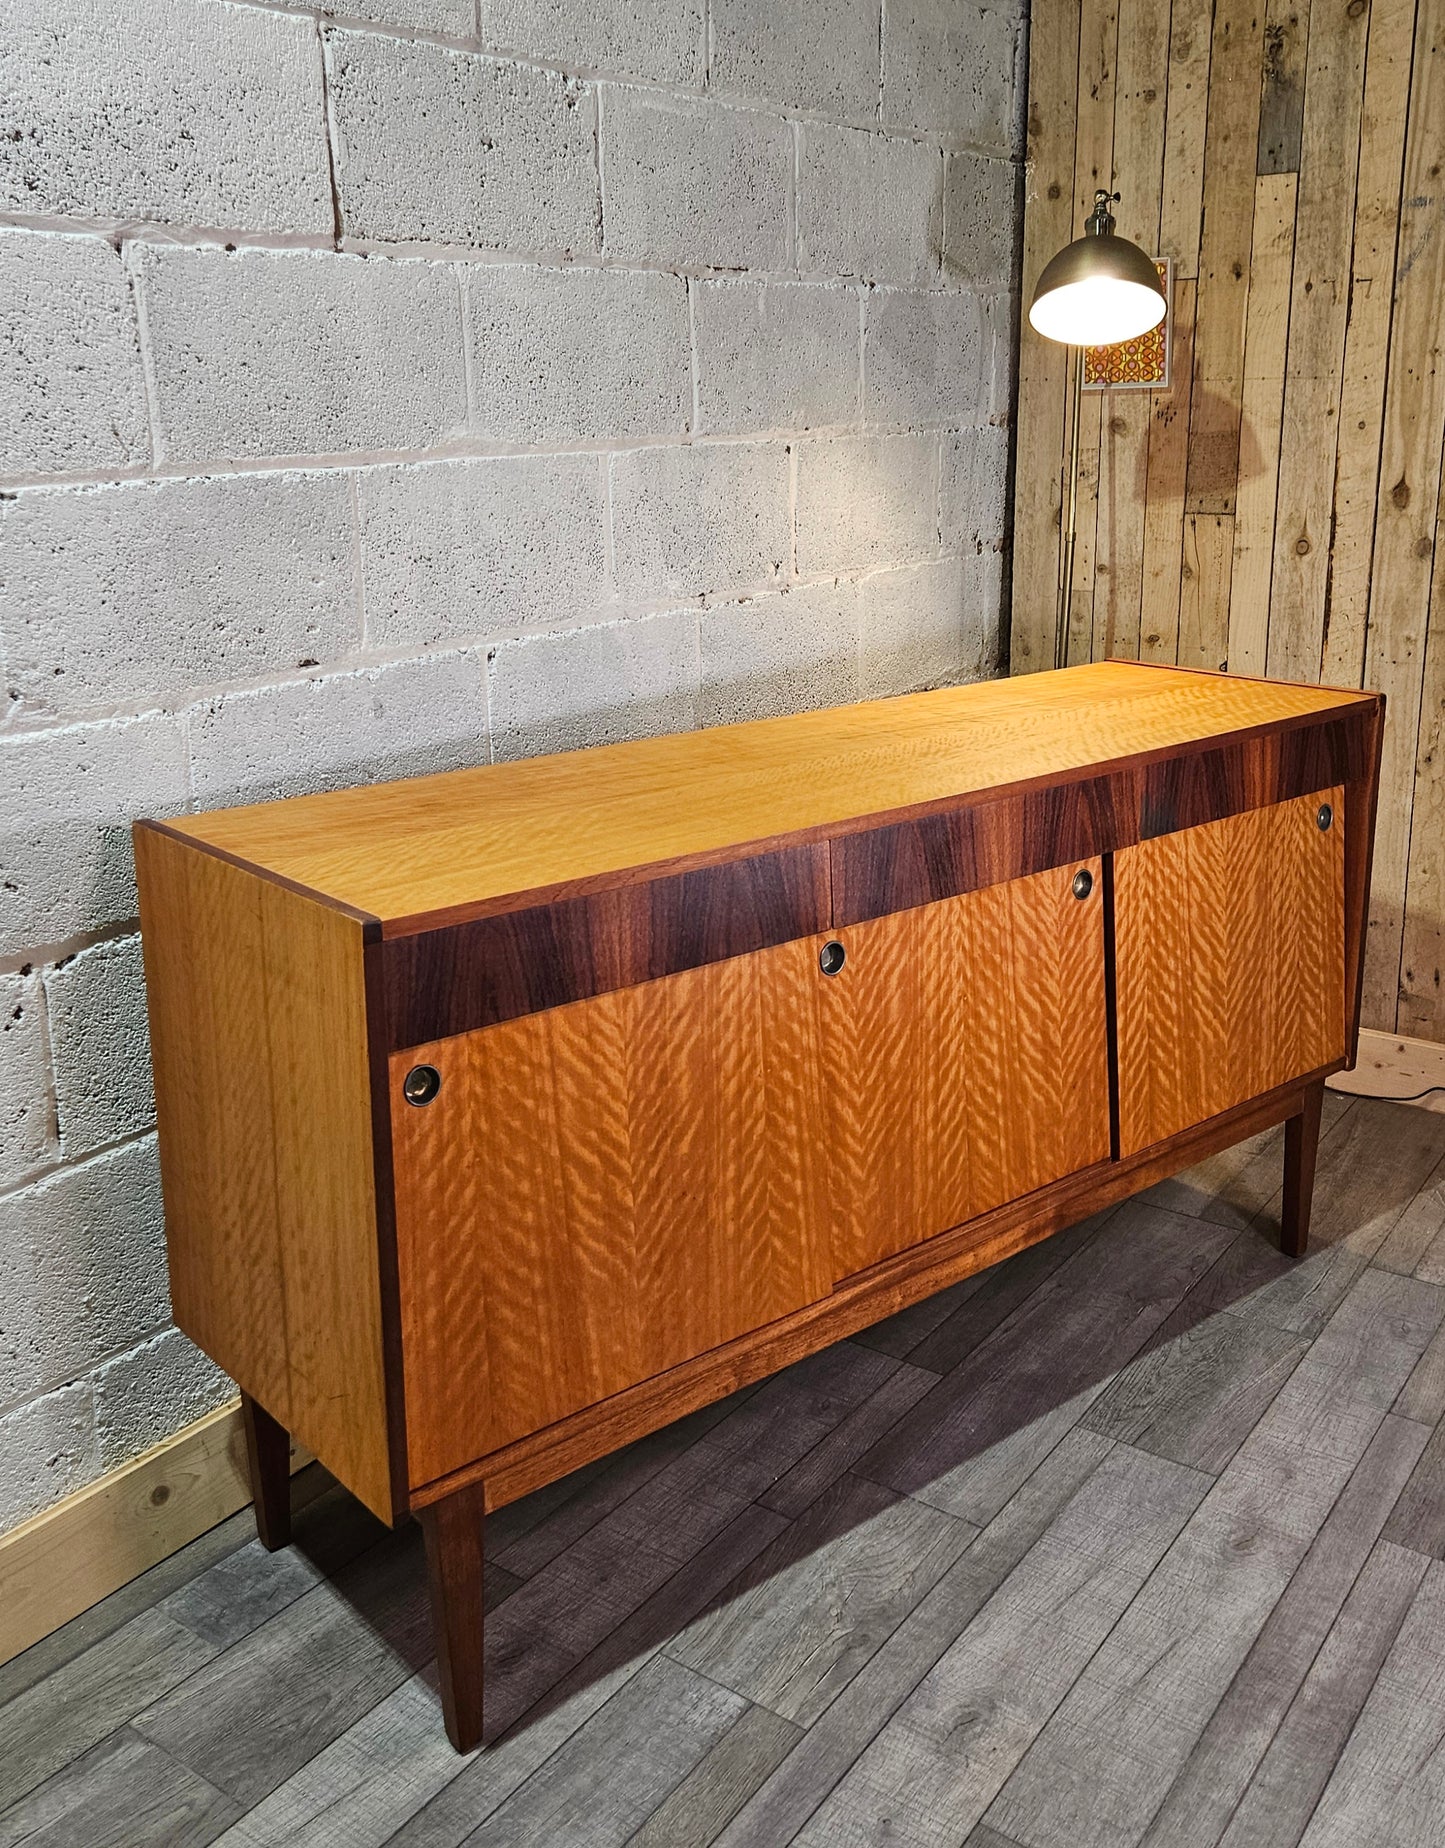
x=421, y=1084
x=1324, y=818
x=831, y=957
x=1083, y=882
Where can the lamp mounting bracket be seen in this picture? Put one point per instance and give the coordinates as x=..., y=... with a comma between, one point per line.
x=1100, y=222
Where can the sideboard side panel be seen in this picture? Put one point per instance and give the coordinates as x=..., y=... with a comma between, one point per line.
x=258, y=1040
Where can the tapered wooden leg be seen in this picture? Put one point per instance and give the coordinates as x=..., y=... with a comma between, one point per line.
x=268, y=1453
x=1301, y=1142
x=453, y=1530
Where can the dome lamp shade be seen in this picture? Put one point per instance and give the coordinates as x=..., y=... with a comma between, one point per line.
x=1100, y=289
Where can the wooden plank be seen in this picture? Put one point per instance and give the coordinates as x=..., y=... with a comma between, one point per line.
x=256, y=1713
x=1406, y=511
x=1276, y=1808
x=1239, y=1733
x=1093, y=169
x=969, y=1444
x=1319, y=302
x=1003, y=1290
x=1164, y=494
x=1367, y=336
x=1389, y=1783
x=526, y=1549
x=1421, y=1008
x=1413, y=1245
x=1231, y=135
x=259, y=1044
x=1043, y=364
x=841, y=1448
x=836, y=1740
x=1422, y=1397
x=1119, y=547
x=1252, y=909
x=93, y=1542
x=1195, y=1395
x=611, y=1569
x=601, y=1785
x=1282, y=104
x=1104, y=1763
x=936, y=1766
x=898, y=1335
x=1418, y=1518
x=1185, y=121
x=712, y=1793
x=1391, y=1065
x=1261, y=411
x=1140, y=93
x=124, y=1790
x=807, y=1614
x=1205, y=588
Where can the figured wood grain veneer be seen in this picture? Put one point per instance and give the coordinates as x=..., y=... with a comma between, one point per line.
x=603, y=1190
x=1230, y=963
x=263, y=1100
x=966, y=1049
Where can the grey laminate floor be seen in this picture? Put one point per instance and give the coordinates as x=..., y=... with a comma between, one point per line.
x=1137, y=1538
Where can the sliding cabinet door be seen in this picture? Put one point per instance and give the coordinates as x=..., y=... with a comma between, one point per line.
x=967, y=1053
x=1231, y=962
x=602, y=1190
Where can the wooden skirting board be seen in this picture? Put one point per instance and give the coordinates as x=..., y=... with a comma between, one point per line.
x=60, y=1563
x=1391, y=1066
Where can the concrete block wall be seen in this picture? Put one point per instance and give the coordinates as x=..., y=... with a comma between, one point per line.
x=414, y=383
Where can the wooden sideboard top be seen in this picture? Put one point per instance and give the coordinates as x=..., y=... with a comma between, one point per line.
x=430, y=846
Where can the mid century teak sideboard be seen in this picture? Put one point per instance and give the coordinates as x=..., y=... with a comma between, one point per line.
x=507, y=1114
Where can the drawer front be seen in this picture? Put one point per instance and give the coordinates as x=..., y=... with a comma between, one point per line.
x=1230, y=963
x=602, y=1190
x=967, y=1049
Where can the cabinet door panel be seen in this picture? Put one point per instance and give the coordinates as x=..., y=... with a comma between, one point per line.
x=966, y=1045
x=602, y=1190
x=1230, y=963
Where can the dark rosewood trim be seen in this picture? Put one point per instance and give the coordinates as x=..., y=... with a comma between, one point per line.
x=268, y=1460
x=493, y=969
x=1183, y=792
x=856, y=1301
x=1301, y=1144
x=453, y=1533
x=983, y=844
x=1361, y=798
x=1111, y=1005
x=388, y=1273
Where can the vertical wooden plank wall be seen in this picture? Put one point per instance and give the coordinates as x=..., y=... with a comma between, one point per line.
x=1280, y=508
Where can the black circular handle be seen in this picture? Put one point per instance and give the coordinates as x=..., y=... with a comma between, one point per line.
x=831, y=957
x=1324, y=818
x=1083, y=882
x=421, y=1084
